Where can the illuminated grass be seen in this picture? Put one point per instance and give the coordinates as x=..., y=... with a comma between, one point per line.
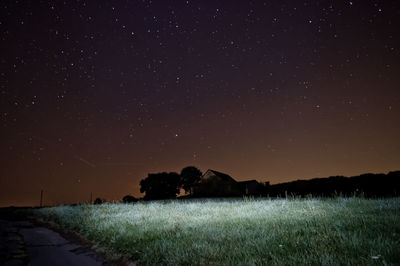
x=343, y=231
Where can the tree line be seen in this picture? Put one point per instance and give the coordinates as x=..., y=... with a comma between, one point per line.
x=366, y=185
x=167, y=185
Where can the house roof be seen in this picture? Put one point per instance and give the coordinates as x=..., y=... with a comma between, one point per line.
x=223, y=176
x=248, y=181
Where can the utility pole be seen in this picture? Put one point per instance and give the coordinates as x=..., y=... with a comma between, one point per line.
x=91, y=194
x=41, y=198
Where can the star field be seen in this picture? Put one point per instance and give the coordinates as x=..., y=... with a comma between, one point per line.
x=96, y=94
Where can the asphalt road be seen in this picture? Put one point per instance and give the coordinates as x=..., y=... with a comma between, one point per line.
x=22, y=243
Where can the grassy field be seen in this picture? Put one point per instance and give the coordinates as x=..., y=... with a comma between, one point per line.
x=346, y=231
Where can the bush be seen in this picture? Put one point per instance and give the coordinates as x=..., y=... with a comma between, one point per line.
x=129, y=199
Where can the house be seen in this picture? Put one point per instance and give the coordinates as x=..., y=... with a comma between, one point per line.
x=217, y=184
x=250, y=187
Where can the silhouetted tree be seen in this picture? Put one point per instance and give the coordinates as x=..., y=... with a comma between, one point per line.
x=129, y=199
x=98, y=201
x=190, y=176
x=160, y=186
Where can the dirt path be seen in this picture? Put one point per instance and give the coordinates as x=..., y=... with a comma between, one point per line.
x=23, y=243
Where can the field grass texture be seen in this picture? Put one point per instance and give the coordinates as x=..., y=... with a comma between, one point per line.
x=347, y=231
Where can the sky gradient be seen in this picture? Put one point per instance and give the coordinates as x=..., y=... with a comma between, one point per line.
x=96, y=94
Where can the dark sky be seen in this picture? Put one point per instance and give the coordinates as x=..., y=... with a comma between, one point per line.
x=96, y=94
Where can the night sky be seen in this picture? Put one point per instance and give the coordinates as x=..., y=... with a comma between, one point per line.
x=96, y=94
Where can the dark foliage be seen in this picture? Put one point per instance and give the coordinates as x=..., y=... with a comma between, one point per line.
x=160, y=186
x=129, y=199
x=98, y=201
x=190, y=176
x=367, y=185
